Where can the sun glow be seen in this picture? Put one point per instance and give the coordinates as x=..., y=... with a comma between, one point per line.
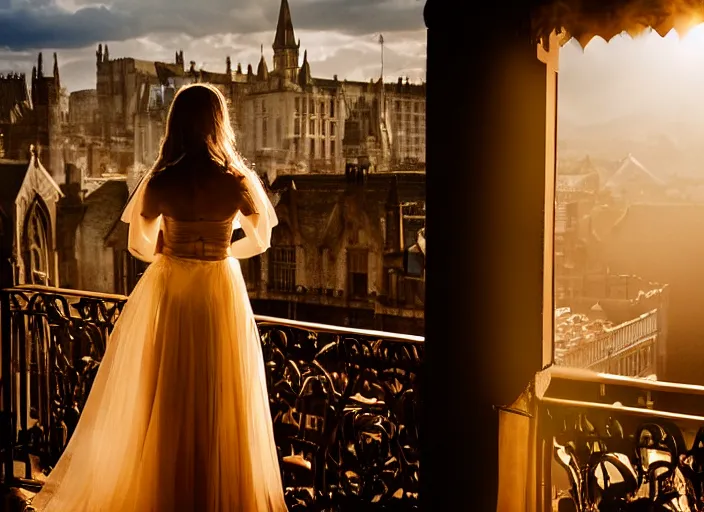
x=689, y=51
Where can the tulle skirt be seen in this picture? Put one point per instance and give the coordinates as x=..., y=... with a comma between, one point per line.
x=178, y=416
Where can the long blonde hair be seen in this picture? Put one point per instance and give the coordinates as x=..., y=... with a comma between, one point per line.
x=198, y=123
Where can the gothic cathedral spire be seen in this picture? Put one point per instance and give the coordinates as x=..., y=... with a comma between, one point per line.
x=285, y=46
x=285, y=37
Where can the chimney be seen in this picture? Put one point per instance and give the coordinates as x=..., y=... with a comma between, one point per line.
x=73, y=174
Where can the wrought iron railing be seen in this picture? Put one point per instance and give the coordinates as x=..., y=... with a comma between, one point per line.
x=610, y=443
x=344, y=402
x=627, y=349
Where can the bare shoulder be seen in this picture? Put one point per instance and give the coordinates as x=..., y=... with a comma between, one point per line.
x=234, y=185
x=242, y=194
x=152, y=197
x=234, y=182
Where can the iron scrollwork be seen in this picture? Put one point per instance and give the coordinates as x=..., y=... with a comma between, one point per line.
x=624, y=464
x=345, y=412
x=344, y=404
x=57, y=342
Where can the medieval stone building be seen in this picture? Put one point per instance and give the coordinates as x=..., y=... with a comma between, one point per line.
x=28, y=203
x=340, y=252
x=286, y=120
x=297, y=123
x=33, y=117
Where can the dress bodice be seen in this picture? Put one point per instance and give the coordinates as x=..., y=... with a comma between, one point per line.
x=200, y=240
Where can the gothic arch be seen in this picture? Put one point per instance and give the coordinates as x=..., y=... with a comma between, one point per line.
x=36, y=244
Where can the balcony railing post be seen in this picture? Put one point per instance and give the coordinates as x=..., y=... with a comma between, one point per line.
x=8, y=433
x=23, y=326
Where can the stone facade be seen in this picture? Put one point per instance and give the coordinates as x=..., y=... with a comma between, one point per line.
x=87, y=214
x=83, y=112
x=98, y=260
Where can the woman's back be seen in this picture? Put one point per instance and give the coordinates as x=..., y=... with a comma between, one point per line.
x=196, y=189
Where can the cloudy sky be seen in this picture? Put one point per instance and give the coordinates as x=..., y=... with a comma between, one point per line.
x=340, y=35
x=660, y=77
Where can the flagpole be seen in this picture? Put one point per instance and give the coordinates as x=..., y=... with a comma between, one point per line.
x=383, y=102
x=381, y=42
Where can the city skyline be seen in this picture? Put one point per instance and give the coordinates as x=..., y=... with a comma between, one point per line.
x=341, y=39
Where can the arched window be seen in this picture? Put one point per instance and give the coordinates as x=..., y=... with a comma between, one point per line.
x=36, y=244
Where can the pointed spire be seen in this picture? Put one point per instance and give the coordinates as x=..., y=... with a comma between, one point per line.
x=304, y=76
x=249, y=69
x=285, y=38
x=239, y=68
x=40, y=65
x=228, y=65
x=99, y=54
x=262, y=69
x=34, y=85
x=56, y=72
x=106, y=56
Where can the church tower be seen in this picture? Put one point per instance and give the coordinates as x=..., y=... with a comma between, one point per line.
x=49, y=116
x=285, y=45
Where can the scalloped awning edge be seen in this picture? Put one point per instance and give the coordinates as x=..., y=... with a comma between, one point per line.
x=584, y=20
